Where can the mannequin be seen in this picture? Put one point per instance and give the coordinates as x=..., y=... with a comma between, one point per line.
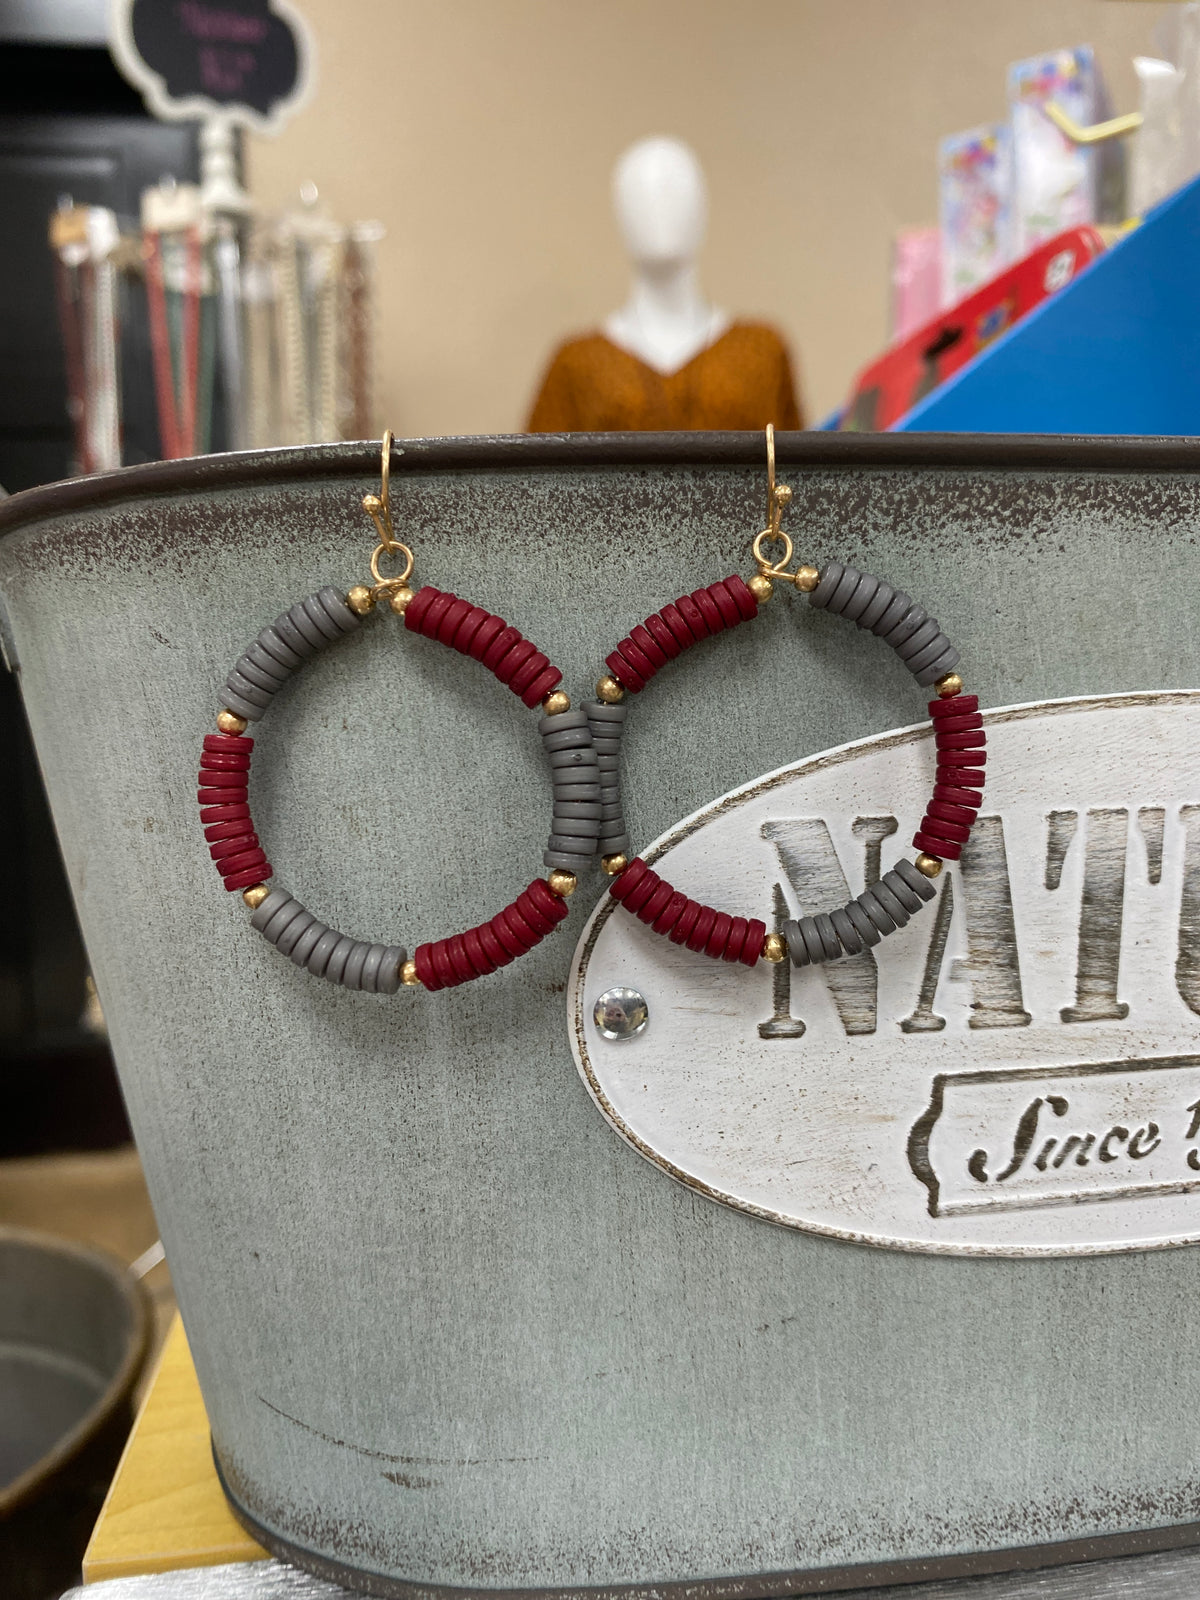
x=667, y=358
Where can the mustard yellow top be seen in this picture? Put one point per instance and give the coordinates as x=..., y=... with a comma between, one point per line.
x=741, y=380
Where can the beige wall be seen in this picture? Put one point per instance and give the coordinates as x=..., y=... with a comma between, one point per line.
x=482, y=134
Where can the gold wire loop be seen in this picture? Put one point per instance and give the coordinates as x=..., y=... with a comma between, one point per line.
x=399, y=580
x=778, y=496
x=378, y=506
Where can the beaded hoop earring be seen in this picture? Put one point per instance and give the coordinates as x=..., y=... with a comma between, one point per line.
x=298, y=635
x=917, y=639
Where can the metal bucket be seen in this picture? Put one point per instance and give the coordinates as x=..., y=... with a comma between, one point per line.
x=451, y=1331
x=73, y=1330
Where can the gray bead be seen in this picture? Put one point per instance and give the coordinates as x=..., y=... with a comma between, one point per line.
x=617, y=845
x=318, y=956
x=813, y=941
x=908, y=898
x=892, y=613
x=831, y=576
x=567, y=739
x=307, y=628
x=338, y=957
x=876, y=606
x=840, y=597
x=915, y=879
x=933, y=651
x=609, y=763
x=352, y=972
x=573, y=843
x=307, y=941
x=906, y=627
x=828, y=934
x=580, y=760
x=566, y=861
x=797, y=949
x=282, y=920
x=387, y=979
x=891, y=903
x=587, y=793
x=578, y=827
x=852, y=941
x=864, y=592
x=938, y=669
x=575, y=718
x=275, y=646
x=256, y=656
x=578, y=808
x=336, y=608
x=249, y=691
x=920, y=639
x=290, y=936
x=601, y=711
x=291, y=635
x=866, y=929
x=610, y=809
x=234, y=702
x=320, y=618
x=245, y=668
x=874, y=909
x=606, y=747
x=369, y=981
x=263, y=913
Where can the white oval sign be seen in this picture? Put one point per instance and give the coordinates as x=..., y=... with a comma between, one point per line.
x=1016, y=1072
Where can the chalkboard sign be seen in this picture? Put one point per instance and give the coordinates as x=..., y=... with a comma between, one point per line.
x=249, y=61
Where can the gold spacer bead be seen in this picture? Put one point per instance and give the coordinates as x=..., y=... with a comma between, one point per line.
x=230, y=722
x=556, y=702
x=255, y=895
x=929, y=865
x=399, y=600
x=408, y=975
x=562, y=883
x=610, y=691
x=951, y=684
x=774, y=948
x=761, y=587
x=614, y=864
x=807, y=579
x=360, y=600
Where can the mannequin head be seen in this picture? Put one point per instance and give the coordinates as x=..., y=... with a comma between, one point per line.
x=660, y=201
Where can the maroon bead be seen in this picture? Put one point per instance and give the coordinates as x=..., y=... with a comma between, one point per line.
x=471, y=623
x=682, y=930
x=431, y=621
x=628, y=879
x=662, y=636
x=956, y=706
x=224, y=813
x=518, y=927
x=963, y=815
x=963, y=724
x=677, y=626
x=460, y=961
x=637, y=659
x=246, y=880
x=234, y=846
x=420, y=603
x=738, y=929
x=938, y=828
x=725, y=604
x=545, y=683
x=490, y=945
x=442, y=965
x=645, y=642
x=506, y=938
x=743, y=598
x=624, y=673
x=238, y=828
x=451, y=620
x=514, y=659
x=481, y=962
x=752, y=949
x=224, y=761
x=719, y=935
x=671, y=912
x=641, y=892
x=533, y=915
x=481, y=639
x=944, y=849
x=500, y=645
x=655, y=904
x=698, y=937
x=232, y=742
x=975, y=740
x=524, y=676
x=424, y=966
x=242, y=862
x=953, y=795
x=694, y=617
x=217, y=778
x=553, y=905
x=221, y=797
x=970, y=777
x=707, y=607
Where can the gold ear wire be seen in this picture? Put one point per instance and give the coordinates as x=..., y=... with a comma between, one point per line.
x=778, y=496
x=378, y=506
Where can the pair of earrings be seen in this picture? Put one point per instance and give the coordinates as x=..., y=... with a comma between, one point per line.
x=583, y=750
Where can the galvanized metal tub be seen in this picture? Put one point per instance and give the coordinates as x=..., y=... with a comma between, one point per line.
x=451, y=1331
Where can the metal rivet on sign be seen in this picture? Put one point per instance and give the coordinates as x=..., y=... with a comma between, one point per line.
x=621, y=1014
